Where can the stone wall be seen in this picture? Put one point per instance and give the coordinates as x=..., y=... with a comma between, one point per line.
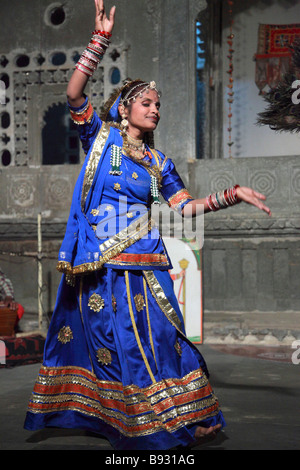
x=251, y=261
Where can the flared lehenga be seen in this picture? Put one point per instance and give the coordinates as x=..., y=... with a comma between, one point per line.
x=117, y=362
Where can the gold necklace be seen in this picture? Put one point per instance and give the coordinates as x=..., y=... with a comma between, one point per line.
x=133, y=147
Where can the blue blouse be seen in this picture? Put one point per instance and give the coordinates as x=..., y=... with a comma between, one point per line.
x=109, y=223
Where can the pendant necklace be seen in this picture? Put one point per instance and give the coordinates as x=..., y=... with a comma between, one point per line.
x=135, y=149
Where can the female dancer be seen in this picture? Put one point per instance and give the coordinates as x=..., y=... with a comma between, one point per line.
x=117, y=360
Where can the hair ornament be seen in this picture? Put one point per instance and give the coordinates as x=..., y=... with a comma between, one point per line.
x=146, y=87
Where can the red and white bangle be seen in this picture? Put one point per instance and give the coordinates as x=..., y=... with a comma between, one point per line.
x=94, y=52
x=105, y=34
x=223, y=199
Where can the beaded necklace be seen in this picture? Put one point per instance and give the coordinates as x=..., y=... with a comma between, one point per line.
x=136, y=150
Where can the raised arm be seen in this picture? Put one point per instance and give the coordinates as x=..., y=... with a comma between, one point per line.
x=92, y=55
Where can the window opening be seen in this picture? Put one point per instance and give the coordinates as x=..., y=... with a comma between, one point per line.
x=6, y=158
x=57, y=16
x=59, y=137
x=22, y=60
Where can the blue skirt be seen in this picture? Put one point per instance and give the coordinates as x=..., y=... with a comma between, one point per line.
x=117, y=362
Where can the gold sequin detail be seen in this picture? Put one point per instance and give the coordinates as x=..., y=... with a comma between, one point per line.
x=129, y=215
x=117, y=186
x=162, y=300
x=96, y=303
x=70, y=280
x=109, y=208
x=114, y=303
x=178, y=348
x=139, y=302
x=104, y=356
x=95, y=212
x=135, y=175
x=65, y=335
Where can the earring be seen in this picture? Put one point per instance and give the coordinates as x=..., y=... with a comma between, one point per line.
x=124, y=124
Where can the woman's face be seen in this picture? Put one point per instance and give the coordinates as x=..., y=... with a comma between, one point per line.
x=143, y=114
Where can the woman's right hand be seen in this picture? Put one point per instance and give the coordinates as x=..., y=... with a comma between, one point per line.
x=78, y=81
x=102, y=23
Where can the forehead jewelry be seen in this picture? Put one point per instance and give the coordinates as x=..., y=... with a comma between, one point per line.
x=146, y=87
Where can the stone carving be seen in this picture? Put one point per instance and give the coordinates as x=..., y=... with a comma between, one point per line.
x=58, y=191
x=295, y=180
x=22, y=192
x=264, y=182
x=221, y=181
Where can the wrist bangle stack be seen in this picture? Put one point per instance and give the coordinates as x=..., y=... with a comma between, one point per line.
x=94, y=52
x=223, y=199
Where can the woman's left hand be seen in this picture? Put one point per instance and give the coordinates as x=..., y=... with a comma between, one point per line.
x=253, y=197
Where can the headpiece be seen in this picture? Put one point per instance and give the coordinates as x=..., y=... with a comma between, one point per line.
x=110, y=111
x=146, y=87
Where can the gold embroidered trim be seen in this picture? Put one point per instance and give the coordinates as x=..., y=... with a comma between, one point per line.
x=159, y=295
x=165, y=405
x=139, y=302
x=126, y=237
x=140, y=259
x=136, y=333
x=93, y=162
x=112, y=247
x=179, y=198
x=96, y=303
x=104, y=356
x=53, y=376
x=65, y=335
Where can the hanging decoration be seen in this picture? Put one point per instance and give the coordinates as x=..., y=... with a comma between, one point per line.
x=230, y=92
x=274, y=54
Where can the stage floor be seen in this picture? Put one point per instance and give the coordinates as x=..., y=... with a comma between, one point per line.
x=259, y=397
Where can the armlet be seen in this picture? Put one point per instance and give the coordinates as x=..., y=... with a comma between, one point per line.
x=179, y=198
x=84, y=115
